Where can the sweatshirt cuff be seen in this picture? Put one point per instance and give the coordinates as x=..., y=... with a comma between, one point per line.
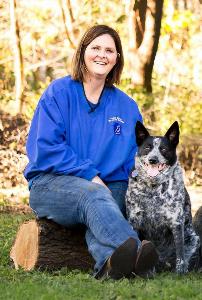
x=90, y=174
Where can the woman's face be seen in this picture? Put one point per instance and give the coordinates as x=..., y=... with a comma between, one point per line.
x=100, y=56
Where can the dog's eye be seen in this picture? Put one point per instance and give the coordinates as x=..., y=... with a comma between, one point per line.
x=163, y=149
x=147, y=147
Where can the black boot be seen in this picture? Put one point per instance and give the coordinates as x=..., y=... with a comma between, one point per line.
x=147, y=258
x=121, y=263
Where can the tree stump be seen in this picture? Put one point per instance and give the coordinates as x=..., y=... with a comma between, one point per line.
x=46, y=245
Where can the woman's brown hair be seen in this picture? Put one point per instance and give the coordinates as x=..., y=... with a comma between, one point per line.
x=78, y=65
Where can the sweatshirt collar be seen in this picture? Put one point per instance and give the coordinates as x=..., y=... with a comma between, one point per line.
x=85, y=102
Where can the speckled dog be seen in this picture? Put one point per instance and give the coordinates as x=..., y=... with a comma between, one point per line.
x=157, y=202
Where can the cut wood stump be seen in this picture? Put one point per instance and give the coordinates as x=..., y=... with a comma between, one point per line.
x=46, y=245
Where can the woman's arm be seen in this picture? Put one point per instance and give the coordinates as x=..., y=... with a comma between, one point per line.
x=47, y=147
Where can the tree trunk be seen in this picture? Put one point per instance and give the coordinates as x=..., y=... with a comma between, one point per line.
x=70, y=11
x=67, y=16
x=46, y=245
x=144, y=32
x=18, y=58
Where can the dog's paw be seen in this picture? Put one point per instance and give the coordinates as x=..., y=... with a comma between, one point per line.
x=181, y=266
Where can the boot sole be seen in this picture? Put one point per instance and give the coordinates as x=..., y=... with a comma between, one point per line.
x=122, y=261
x=147, y=258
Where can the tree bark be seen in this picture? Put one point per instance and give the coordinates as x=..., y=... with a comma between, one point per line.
x=144, y=32
x=18, y=58
x=43, y=244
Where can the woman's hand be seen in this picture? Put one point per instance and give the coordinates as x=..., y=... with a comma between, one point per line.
x=98, y=180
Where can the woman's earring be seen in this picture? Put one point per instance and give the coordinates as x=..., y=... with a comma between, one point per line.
x=84, y=66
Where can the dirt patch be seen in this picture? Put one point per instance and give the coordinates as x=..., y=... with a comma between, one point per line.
x=16, y=209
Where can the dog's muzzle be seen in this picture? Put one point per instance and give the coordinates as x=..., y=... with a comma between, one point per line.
x=154, y=169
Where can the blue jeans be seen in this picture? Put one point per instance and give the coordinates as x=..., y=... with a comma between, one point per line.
x=69, y=201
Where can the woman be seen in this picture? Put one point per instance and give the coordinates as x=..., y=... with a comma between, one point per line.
x=81, y=148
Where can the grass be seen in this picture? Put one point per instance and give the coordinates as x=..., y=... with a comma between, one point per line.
x=37, y=285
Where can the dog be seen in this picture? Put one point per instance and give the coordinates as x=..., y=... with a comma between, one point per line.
x=157, y=203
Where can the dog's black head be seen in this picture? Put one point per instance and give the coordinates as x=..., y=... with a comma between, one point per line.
x=156, y=154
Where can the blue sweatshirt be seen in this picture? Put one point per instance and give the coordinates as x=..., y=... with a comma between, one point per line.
x=67, y=138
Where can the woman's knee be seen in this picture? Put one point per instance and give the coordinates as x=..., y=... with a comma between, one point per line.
x=97, y=199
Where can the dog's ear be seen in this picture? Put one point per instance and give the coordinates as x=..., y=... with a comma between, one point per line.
x=173, y=134
x=141, y=133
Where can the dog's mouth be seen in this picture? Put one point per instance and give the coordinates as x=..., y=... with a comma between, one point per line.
x=154, y=169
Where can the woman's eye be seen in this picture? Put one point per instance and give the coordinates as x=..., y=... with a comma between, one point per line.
x=95, y=48
x=109, y=51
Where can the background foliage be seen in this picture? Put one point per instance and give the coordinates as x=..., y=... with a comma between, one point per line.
x=47, y=54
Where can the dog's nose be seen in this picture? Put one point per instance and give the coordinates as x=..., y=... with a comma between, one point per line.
x=153, y=160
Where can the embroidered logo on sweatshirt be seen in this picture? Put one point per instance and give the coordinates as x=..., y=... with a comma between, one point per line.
x=115, y=119
x=117, y=128
x=116, y=122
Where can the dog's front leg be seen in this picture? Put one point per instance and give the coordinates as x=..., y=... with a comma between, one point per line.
x=178, y=234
